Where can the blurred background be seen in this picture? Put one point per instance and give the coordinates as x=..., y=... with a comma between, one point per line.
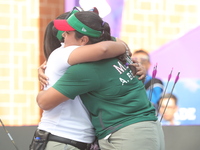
x=168, y=29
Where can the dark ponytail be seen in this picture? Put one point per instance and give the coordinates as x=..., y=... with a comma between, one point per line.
x=105, y=31
x=51, y=42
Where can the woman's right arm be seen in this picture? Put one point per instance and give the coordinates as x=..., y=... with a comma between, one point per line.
x=96, y=52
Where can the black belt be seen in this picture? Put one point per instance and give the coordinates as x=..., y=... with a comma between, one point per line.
x=80, y=145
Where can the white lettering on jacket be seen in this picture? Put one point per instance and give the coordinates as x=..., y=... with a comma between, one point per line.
x=121, y=69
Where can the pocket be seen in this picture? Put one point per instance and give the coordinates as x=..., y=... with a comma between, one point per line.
x=107, y=144
x=39, y=140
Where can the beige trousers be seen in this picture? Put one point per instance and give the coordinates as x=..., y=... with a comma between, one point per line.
x=51, y=145
x=146, y=135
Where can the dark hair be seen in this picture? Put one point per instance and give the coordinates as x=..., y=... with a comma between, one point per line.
x=51, y=42
x=142, y=51
x=93, y=21
x=167, y=95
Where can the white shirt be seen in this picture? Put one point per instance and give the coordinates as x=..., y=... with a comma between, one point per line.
x=70, y=119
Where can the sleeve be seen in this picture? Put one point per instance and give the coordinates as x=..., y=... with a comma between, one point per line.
x=113, y=38
x=59, y=58
x=77, y=80
x=66, y=52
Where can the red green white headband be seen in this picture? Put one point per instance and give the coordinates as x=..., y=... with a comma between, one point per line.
x=73, y=23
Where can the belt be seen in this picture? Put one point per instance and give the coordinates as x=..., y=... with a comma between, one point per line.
x=80, y=145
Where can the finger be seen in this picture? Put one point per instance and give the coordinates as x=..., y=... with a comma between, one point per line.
x=43, y=67
x=141, y=77
x=43, y=81
x=138, y=69
x=138, y=65
x=44, y=63
x=41, y=87
x=139, y=72
x=41, y=73
x=43, y=76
